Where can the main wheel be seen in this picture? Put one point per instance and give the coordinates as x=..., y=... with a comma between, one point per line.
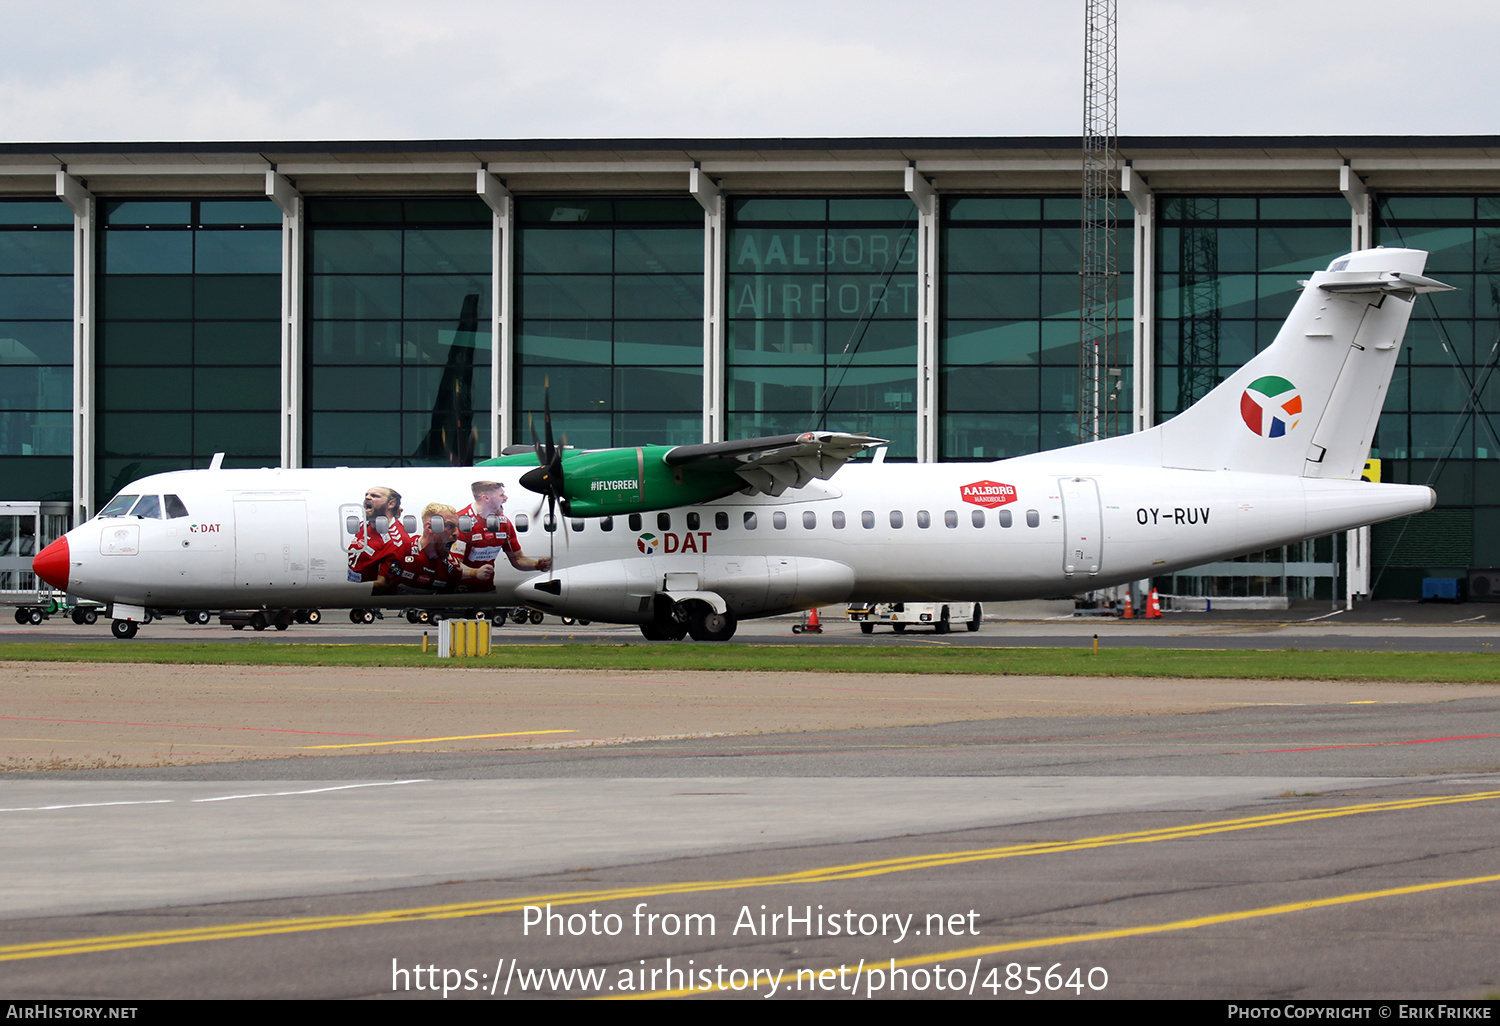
x=124, y=629
x=537, y=617
x=568, y=621
x=314, y=616
x=706, y=625
x=973, y=624
x=202, y=618
x=91, y=617
x=76, y=616
x=520, y=616
x=356, y=616
x=867, y=628
x=411, y=616
x=942, y=626
x=367, y=616
x=584, y=623
x=658, y=632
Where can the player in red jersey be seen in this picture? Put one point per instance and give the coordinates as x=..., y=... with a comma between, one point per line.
x=424, y=564
x=474, y=553
x=377, y=541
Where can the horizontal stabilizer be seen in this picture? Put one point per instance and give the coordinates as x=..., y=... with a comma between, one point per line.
x=1395, y=282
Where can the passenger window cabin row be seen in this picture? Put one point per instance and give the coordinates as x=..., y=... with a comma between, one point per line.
x=750, y=520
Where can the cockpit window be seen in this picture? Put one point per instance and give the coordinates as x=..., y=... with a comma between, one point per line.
x=175, y=508
x=148, y=507
x=119, y=506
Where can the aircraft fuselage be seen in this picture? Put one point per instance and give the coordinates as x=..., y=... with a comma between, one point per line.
x=893, y=532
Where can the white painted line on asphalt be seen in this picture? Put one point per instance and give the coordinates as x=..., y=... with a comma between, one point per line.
x=218, y=798
x=312, y=790
x=87, y=805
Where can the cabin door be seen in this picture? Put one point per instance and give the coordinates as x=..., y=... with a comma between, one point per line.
x=270, y=543
x=1083, y=526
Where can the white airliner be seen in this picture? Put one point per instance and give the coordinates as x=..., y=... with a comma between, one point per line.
x=691, y=539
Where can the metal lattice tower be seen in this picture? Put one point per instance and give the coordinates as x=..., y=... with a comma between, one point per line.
x=1099, y=379
x=1198, y=330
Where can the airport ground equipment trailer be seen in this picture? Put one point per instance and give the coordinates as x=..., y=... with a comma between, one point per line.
x=940, y=616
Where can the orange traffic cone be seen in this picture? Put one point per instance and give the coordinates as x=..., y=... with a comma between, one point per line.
x=1129, y=613
x=1153, y=606
x=814, y=626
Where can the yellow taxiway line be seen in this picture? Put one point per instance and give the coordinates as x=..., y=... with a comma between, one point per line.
x=976, y=953
x=428, y=740
x=819, y=874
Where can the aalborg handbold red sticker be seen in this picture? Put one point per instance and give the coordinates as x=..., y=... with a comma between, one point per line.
x=988, y=493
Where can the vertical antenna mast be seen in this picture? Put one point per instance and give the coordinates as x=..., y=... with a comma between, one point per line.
x=1198, y=328
x=1099, y=379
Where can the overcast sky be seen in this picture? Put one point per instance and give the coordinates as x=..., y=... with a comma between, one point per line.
x=453, y=69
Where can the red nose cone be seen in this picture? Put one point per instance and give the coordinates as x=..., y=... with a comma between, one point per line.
x=51, y=564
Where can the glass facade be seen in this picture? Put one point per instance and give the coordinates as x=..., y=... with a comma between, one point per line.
x=1009, y=328
x=822, y=315
x=1227, y=273
x=397, y=335
x=609, y=314
x=188, y=336
x=1439, y=426
x=820, y=327
x=36, y=349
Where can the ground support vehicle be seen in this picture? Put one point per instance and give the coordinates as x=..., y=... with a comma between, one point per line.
x=498, y=615
x=35, y=613
x=940, y=616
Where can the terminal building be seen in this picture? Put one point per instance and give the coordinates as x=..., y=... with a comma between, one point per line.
x=404, y=303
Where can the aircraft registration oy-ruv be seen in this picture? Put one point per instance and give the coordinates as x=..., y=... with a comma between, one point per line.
x=688, y=540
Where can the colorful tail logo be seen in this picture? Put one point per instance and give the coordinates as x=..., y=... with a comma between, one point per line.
x=1271, y=406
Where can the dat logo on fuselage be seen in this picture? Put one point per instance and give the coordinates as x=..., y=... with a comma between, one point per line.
x=671, y=541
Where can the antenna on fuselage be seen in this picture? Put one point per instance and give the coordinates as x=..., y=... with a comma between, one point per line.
x=217, y=462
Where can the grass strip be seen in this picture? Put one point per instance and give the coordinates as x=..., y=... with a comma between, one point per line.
x=1412, y=667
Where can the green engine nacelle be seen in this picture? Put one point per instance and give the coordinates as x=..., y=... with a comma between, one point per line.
x=610, y=482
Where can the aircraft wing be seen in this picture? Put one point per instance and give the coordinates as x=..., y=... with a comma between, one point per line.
x=775, y=463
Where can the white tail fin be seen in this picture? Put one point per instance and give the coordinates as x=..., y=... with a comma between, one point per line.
x=1308, y=405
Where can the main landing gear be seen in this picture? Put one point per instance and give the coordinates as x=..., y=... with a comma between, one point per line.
x=697, y=619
